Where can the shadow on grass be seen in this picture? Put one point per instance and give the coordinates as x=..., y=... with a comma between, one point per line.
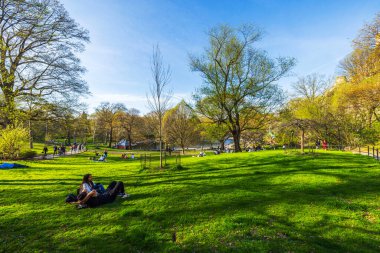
x=227, y=205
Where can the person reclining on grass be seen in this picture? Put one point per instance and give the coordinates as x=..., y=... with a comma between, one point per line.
x=94, y=199
x=88, y=185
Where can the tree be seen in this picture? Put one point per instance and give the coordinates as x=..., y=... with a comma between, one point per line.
x=148, y=129
x=129, y=121
x=359, y=97
x=180, y=126
x=214, y=131
x=212, y=119
x=82, y=127
x=311, y=86
x=159, y=97
x=37, y=52
x=239, y=79
x=364, y=61
x=33, y=110
x=308, y=110
x=107, y=114
x=295, y=118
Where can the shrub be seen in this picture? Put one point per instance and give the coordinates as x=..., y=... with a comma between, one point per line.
x=29, y=154
x=178, y=167
x=12, y=139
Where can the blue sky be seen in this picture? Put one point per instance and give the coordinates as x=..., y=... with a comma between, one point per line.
x=317, y=33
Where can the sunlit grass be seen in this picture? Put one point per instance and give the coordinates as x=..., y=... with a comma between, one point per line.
x=249, y=202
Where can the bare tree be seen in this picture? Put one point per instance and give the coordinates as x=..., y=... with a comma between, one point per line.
x=159, y=97
x=311, y=86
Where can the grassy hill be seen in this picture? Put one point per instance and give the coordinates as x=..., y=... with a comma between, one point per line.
x=249, y=202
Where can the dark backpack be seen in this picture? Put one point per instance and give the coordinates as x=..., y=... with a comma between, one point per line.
x=71, y=198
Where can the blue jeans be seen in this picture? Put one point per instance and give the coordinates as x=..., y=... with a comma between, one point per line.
x=99, y=188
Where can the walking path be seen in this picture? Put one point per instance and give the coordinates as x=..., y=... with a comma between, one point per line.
x=51, y=156
x=366, y=154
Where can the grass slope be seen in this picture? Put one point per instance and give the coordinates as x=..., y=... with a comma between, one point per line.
x=249, y=202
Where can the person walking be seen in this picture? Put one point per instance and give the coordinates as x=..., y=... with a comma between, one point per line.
x=45, y=150
x=324, y=145
x=317, y=144
x=55, y=149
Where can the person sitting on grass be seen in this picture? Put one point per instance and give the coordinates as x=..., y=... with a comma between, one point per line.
x=94, y=199
x=202, y=154
x=88, y=185
x=102, y=158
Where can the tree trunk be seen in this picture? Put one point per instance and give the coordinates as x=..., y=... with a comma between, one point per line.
x=75, y=136
x=46, y=132
x=129, y=141
x=160, y=121
x=10, y=107
x=302, y=141
x=93, y=136
x=222, y=144
x=110, y=139
x=68, y=137
x=30, y=135
x=236, y=136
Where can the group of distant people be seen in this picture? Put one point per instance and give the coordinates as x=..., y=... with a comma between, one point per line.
x=61, y=149
x=125, y=156
x=57, y=150
x=102, y=158
x=254, y=148
x=325, y=145
x=91, y=194
x=77, y=148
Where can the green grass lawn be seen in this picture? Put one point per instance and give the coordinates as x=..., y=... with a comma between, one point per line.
x=251, y=202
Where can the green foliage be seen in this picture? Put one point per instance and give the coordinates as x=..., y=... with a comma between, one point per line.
x=180, y=126
x=28, y=154
x=178, y=167
x=12, y=140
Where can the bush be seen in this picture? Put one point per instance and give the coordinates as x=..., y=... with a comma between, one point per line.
x=12, y=139
x=29, y=154
x=178, y=167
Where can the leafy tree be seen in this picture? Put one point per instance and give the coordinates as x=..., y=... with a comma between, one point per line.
x=149, y=129
x=107, y=115
x=180, y=126
x=37, y=52
x=239, y=79
x=307, y=111
x=129, y=122
x=81, y=127
x=214, y=131
x=359, y=98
